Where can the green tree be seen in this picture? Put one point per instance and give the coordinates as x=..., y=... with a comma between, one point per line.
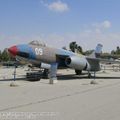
x=79, y=49
x=118, y=50
x=73, y=46
x=113, y=52
x=5, y=56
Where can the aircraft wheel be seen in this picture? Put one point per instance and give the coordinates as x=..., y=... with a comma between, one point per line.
x=78, y=72
x=45, y=73
x=33, y=76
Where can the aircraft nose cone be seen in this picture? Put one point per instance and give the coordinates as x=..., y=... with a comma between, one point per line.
x=13, y=50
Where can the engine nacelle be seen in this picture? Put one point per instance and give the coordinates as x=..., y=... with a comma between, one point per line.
x=78, y=63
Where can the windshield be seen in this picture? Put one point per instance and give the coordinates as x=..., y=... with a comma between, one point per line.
x=38, y=43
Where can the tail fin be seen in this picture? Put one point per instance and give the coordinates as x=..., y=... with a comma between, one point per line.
x=98, y=50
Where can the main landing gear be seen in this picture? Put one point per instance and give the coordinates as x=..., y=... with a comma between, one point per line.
x=53, y=72
x=78, y=72
x=94, y=80
x=90, y=76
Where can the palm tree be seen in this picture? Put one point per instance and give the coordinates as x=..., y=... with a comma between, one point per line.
x=118, y=50
x=73, y=46
x=79, y=49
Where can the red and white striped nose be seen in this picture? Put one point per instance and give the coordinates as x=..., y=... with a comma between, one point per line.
x=13, y=50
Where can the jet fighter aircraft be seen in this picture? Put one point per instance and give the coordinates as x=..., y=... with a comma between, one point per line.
x=54, y=58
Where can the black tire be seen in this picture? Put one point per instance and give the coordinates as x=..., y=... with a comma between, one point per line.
x=33, y=76
x=78, y=72
x=45, y=73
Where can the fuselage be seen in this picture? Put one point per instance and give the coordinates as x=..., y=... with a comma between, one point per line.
x=38, y=54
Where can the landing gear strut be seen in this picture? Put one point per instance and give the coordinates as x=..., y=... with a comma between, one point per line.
x=94, y=81
x=89, y=75
x=53, y=72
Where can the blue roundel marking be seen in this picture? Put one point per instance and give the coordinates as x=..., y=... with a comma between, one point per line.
x=27, y=49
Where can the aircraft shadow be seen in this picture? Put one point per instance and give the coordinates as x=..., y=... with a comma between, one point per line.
x=66, y=77
x=76, y=77
x=11, y=79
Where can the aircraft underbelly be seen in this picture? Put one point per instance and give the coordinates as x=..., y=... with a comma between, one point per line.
x=22, y=59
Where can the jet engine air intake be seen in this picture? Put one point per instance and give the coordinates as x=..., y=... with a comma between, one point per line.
x=77, y=63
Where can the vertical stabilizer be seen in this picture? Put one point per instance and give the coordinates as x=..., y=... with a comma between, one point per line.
x=98, y=50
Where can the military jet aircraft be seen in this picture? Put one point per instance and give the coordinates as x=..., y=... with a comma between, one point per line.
x=55, y=58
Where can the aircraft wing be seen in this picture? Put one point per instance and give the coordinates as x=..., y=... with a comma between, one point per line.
x=102, y=60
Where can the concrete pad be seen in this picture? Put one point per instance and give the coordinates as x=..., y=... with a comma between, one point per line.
x=13, y=84
x=72, y=98
x=53, y=80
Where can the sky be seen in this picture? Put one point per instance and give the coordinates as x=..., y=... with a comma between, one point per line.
x=59, y=22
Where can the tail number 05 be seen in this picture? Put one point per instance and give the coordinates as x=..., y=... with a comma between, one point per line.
x=39, y=51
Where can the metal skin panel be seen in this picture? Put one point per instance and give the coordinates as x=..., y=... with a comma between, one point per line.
x=49, y=54
x=28, y=50
x=78, y=63
x=44, y=54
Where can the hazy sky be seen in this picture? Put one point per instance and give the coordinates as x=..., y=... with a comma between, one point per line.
x=58, y=22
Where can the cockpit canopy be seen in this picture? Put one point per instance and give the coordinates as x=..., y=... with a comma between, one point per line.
x=37, y=43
